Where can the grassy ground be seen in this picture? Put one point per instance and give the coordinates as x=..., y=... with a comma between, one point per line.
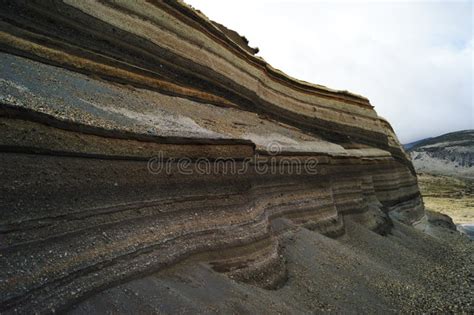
x=448, y=195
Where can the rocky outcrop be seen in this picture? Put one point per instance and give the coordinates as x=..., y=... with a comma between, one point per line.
x=450, y=154
x=136, y=135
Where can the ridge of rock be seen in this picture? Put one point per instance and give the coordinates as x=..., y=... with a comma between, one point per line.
x=449, y=154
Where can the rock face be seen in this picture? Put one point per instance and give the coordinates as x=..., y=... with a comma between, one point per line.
x=449, y=154
x=113, y=118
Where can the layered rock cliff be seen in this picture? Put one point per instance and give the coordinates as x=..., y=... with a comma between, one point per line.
x=113, y=118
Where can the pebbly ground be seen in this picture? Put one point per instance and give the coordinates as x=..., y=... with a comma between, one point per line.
x=423, y=269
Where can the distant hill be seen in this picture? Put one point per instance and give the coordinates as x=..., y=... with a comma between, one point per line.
x=448, y=154
x=410, y=145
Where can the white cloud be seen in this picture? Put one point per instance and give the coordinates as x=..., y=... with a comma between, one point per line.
x=413, y=60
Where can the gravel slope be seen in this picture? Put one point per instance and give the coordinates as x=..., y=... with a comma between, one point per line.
x=361, y=272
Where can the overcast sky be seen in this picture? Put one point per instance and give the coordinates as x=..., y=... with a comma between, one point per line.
x=413, y=60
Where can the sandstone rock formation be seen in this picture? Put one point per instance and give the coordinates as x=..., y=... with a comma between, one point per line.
x=92, y=91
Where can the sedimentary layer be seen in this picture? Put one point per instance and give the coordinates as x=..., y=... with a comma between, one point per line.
x=135, y=135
